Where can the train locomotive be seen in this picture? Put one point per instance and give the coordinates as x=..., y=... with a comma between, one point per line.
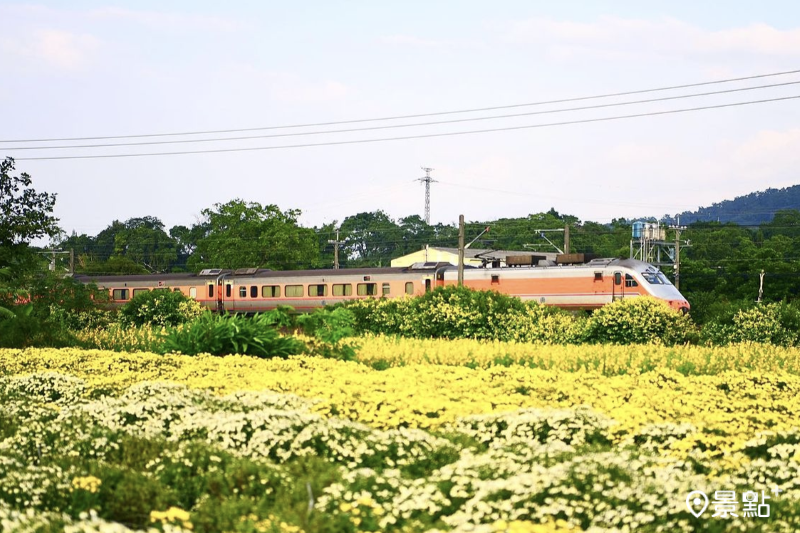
x=587, y=285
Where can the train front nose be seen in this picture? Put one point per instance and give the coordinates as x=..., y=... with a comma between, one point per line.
x=680, y=305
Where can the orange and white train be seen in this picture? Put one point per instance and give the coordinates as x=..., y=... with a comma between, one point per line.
x=572, y=286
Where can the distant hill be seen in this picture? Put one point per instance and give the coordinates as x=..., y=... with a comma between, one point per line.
x=754, y=208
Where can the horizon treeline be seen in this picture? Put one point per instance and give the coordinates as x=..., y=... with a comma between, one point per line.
x=720, y=262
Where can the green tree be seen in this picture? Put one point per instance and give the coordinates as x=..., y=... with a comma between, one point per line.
x=24, y=215
x=370, y=239
x=241, y=234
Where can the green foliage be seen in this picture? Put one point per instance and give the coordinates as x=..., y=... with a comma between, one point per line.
x=329, y=328
x=138, y=245
x=24, y=213
x=160, y=307
x=230, y=334
x=242, y=234
x=775, y=323
x=641, y=320
x=25, y=328
x=452, y=312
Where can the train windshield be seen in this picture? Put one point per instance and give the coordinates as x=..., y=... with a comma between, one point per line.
x=655, y=277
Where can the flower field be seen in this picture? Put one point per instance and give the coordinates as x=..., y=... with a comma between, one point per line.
x=417, y=435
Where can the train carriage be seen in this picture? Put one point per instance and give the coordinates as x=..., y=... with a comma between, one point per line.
x=572, y=286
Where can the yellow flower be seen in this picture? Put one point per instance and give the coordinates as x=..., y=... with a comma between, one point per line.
x=87, y=483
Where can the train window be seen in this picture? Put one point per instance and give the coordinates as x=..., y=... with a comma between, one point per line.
x=139, y=291
x=367, y=289
x=193, y=292
x=495, y=278
x=253, y=291
x=318, y=290
x=386, y=290
x=651, y=277
x=210, y=291
x=228, y=290
x=629, y=281
x=617, y=278
x=294, y=291
x=271, y=291
x=120, y=294
x=242, y=292
x=598, y=276
x=409, y=287
x=342, y=289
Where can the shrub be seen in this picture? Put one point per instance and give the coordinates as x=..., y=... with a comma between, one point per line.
x=121, y=338
x=160, y=308
x=458, y=312
x=641, y=320
x=23, y=327
x=230, y=334
x=328, y=329
x=776, y=323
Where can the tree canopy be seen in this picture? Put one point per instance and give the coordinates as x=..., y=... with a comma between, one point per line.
x=241, y=234
x=25, y=215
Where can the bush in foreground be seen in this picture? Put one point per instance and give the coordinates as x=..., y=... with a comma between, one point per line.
x=776, y=323
x=231, y=334
x=641, y=320
x=160, y=308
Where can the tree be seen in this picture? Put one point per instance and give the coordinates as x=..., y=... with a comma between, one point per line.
x=370, y=239
x=137, y=245
x=24, y=215
x=242, y=234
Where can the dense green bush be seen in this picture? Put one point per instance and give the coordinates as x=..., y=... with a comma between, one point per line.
x=160, y=307
x=22, y=327
x=641, y=320
x=328, y=329
x=230, y=334
x=775, y=323
x=458, y=312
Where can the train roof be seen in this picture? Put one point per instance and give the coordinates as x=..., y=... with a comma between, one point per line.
x=212, y=274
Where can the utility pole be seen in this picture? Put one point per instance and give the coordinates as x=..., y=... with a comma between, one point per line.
x=566, y=238
x=678, y=228
x=760, y=286
x=427, y=180
x=336, y=244
x=461, y=250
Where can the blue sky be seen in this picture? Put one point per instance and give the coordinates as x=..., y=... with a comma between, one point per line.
x=93, y=69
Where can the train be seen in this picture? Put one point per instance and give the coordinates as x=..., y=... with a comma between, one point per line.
x=584, y=286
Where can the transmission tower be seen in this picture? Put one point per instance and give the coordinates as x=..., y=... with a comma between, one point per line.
x=427, y=180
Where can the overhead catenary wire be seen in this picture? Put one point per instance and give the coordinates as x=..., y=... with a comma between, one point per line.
x=419, y=136
x=398, y=126
x=418, y=115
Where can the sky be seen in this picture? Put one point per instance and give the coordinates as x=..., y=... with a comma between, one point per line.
x=96, y=69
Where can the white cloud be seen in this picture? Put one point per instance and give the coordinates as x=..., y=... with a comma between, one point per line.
x=168, y=21
x=613, y=37
x=288, y=87
x=411, y=40
x=770, y=156
x=60, y=49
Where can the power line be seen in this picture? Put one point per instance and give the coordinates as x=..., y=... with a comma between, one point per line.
x=418, y=115
x=421, y=136
x=397, y=126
